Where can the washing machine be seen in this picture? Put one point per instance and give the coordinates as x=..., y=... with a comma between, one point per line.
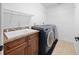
x=47, y=38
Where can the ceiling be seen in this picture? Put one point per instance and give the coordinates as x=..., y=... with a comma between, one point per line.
x=48, y=5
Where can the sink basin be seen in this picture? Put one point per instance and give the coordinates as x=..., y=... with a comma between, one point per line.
x=17, y=33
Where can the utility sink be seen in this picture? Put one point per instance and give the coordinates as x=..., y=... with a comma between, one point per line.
x=17, y=33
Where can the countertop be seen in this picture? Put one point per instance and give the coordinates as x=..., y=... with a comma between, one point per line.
x=13, y=35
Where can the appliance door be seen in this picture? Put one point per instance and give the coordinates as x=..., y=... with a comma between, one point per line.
x=50, y=38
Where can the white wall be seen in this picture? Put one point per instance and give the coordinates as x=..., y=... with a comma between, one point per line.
x=0, y=24
x=63, y=17
x=35, y=9
x=77, y=19
x=77, y=25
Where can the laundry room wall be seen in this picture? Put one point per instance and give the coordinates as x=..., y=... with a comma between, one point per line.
x=77, y=19
x=35, y=9
x=1, y=40
x=63, y=17
x=0, y=25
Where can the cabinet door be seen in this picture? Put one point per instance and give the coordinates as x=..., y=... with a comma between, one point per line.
x=19, y=50
x=33, y=46
x=37, y=43
x=26, y=46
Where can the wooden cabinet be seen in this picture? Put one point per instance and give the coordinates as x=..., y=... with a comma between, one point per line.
x=23, y=46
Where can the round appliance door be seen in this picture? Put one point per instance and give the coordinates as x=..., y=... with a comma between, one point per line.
x=50, y=38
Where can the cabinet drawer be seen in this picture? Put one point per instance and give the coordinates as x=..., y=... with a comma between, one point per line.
x=19, y=50
x=14, y=43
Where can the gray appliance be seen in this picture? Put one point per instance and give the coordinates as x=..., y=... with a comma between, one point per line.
x=48, y=38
